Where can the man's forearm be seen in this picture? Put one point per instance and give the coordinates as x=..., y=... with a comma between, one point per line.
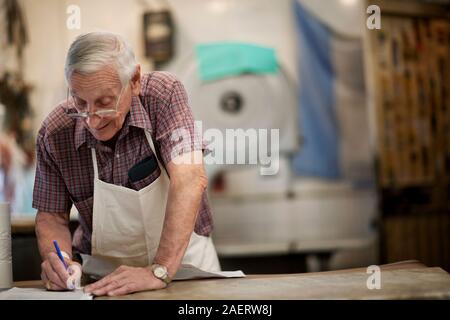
x=181, y=213
x=53, y=226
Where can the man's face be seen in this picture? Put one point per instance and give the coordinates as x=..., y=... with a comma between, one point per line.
x=101, y=90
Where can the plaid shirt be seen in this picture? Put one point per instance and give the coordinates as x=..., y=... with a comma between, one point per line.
x=65, y=174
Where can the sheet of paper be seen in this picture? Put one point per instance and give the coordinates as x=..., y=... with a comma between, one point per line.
x=99, y=268
x=42, y=294
x=187, y=271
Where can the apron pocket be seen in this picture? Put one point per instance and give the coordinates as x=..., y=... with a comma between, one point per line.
x=118, y=230
x=120, y=246
x=146, y=181
x=120, y=218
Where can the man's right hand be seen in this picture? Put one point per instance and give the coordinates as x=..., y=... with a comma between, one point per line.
x=51, y=226
x=54, y=274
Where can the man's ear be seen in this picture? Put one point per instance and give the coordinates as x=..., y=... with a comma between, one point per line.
x=135, y=82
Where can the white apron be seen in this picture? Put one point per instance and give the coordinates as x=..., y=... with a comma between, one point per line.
x=127, y=224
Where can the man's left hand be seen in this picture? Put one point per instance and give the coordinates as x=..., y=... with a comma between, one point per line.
x=125, y=280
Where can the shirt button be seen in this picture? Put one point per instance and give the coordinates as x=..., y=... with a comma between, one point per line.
x=117, y=156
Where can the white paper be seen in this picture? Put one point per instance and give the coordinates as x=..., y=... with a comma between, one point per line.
x=187, y=271
x=98, y=268
x=42, y=294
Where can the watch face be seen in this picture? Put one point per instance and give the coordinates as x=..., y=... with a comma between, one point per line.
x=160, y=272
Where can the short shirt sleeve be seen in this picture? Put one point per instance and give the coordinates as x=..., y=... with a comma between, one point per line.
x=175, y=129
x=50, y=193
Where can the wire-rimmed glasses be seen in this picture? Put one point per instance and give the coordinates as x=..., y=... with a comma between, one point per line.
x=81, y=112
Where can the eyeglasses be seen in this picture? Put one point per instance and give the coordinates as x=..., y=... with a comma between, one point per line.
x=81, y=112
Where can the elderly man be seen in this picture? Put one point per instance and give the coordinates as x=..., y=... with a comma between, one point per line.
x=109, y=150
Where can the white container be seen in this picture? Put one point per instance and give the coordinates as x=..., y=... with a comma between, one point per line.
x=6, y=278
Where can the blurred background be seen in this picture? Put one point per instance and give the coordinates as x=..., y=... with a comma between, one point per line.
x=364, y=119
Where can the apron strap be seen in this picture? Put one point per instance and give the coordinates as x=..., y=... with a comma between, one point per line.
x=94, y=161
x=152, y=146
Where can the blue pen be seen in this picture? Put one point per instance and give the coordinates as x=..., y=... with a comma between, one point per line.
x=58, y=252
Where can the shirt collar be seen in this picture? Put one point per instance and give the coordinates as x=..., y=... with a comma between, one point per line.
x=136, y=117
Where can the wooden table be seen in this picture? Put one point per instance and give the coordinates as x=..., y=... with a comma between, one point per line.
x=403, y=280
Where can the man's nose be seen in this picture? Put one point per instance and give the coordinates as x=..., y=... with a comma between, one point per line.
x=93, y=121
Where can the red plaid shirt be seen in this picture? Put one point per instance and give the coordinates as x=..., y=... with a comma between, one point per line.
x=65, y=175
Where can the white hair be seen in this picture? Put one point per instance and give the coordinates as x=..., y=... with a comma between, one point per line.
x=92, y=51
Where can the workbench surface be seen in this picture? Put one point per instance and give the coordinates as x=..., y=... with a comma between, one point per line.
x=403, y=280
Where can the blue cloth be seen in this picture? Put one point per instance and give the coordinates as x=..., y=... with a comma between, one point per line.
x=319, y=156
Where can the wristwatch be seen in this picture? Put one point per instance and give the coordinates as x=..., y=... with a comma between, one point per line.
x=161, y=273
